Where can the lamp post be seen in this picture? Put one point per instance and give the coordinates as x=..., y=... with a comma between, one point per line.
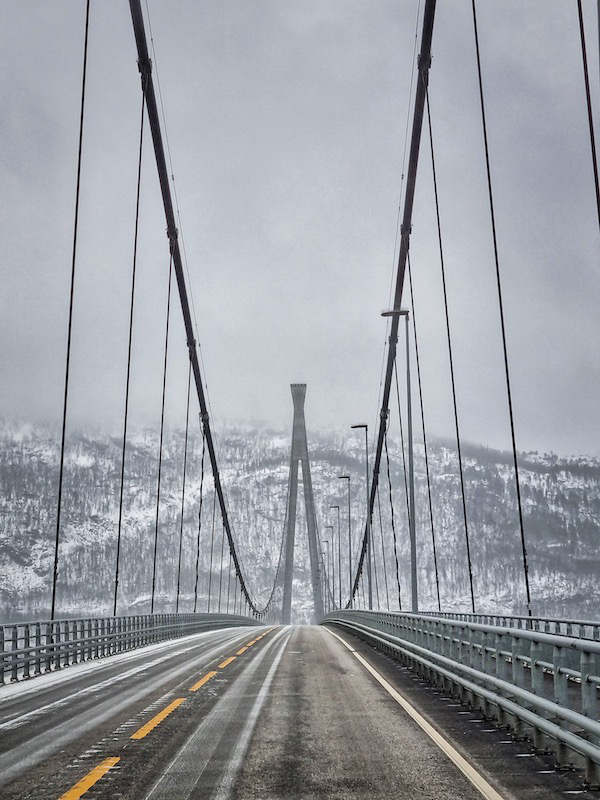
x=339, y=556
x=332, y=562
x=369, y=575
x=347, y=478
x=411, y=471
x=325, y=579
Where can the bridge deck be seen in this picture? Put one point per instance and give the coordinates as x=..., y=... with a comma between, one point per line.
x=294, y=714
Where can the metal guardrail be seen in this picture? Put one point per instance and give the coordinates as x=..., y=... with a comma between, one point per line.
x=542, y=686
x=28, y=649
x=580, y=628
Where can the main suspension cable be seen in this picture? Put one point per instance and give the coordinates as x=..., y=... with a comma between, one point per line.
x=414, y=319
x=162, y=427
x=70, y=323
x=199, y=519
x=185, y=446
x=501, y=309
x=450, y=355
x=589, y=105
x=130, y=339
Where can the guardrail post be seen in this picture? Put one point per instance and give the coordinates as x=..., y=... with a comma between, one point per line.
x=518, y=667
x=560, y=679
x=27, y=648
x=56, y=644
x=38, y=646
x=589, y=692
x=2, y=657
x=537, y=671
x=67, y=658
x=14, y=647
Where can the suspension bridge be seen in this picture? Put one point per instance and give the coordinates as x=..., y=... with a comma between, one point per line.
x=212, y=691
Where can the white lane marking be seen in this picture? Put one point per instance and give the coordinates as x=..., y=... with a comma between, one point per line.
x=185, y=770
x=40, y=683
x=478, y=781
x=235, y=762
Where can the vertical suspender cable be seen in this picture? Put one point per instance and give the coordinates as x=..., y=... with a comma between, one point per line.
x=450, y=354
x=70, y=323
x=589, y=103
x=185, y=446
x=221, y=569
x=162, y=428
x=375, y=572
x=199, y=521
x=128, y=375
x=412, y=305
x=387, y=459
x=387, y=593
x=212, y=542
x=228, y=580
x=402, y=444
x=501, y=309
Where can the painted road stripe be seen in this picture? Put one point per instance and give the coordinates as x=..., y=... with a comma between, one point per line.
x=149, y=726
x=241, y=651
x=90, y=779
x=249, y=644
x=202, y=681
x=226, y=663
x=478, y=781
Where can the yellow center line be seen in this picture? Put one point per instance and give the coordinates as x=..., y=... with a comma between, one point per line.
x=249, y=644
x=89, y=780
x=227, y=661
x=241, y=651
x=202, y=681
x=149, y=726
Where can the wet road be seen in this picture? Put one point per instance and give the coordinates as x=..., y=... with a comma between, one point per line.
x=301, y=712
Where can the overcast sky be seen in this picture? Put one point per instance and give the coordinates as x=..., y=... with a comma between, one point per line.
x=286, y=123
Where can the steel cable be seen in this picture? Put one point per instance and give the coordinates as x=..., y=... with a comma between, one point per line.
x=387, y=593
x=387, y=459
x=185, y=446
x=70, y=322
x=501, y=310
x=199, y=519
x=130, y=339
x=212, y=543
x=162, y=427
x=589, y=106
x=450, y=355
x=425, y=450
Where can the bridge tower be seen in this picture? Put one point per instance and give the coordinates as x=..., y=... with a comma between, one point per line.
x=300, y=455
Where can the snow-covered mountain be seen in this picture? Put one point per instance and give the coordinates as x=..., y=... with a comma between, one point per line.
x=561, y=506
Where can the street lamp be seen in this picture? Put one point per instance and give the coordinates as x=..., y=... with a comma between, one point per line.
x=397, y=312
x=366, y=429
x=339, y=556
x=347, y=478
x=332, y=562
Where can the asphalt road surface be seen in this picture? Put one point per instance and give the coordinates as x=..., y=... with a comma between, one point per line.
x=284, y=712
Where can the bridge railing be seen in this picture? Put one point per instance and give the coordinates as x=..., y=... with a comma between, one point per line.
x=541, y=685
x=579, y=628
x=28, y=649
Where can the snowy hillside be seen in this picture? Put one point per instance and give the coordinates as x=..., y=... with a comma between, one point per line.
x=561, y=504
